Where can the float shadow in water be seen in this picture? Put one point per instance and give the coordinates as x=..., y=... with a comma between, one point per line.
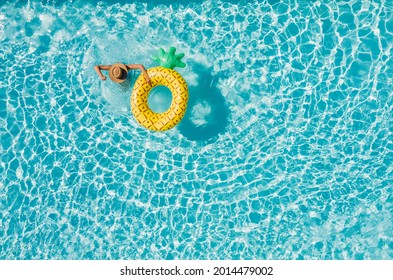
x=207, y=112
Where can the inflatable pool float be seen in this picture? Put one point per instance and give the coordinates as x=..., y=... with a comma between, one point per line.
x=161, y=76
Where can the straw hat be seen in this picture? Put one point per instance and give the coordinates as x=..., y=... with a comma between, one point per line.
x=118, y=72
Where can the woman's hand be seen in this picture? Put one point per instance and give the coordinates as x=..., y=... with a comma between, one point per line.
x=143, y=69
x=98, y=69
x=148, y=79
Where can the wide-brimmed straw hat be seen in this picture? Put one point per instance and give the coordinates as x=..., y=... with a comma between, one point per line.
x=118, y=72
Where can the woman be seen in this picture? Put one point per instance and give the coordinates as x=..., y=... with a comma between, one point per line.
x=118, y=72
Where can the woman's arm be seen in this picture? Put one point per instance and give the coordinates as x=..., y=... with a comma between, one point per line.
x=98, y=69
x=142, y=68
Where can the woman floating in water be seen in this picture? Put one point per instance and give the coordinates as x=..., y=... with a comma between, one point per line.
x=118, y=72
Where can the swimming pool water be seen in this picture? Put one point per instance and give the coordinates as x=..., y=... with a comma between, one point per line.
x=285, y=151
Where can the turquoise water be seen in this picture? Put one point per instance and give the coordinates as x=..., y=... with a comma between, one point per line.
x=285, y=151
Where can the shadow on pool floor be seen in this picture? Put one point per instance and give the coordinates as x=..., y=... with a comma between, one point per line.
x=207, y=112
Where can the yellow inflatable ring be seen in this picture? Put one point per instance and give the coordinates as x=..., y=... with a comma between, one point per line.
x=139, y=107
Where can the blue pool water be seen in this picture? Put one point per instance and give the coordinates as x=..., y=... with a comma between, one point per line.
x=285, y=151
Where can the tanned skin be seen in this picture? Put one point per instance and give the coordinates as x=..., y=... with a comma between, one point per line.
x=98, y=69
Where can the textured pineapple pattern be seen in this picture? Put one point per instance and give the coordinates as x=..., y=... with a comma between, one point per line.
x=160, y=121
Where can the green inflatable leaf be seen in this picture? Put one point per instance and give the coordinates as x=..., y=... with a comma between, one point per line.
x=169, y=59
